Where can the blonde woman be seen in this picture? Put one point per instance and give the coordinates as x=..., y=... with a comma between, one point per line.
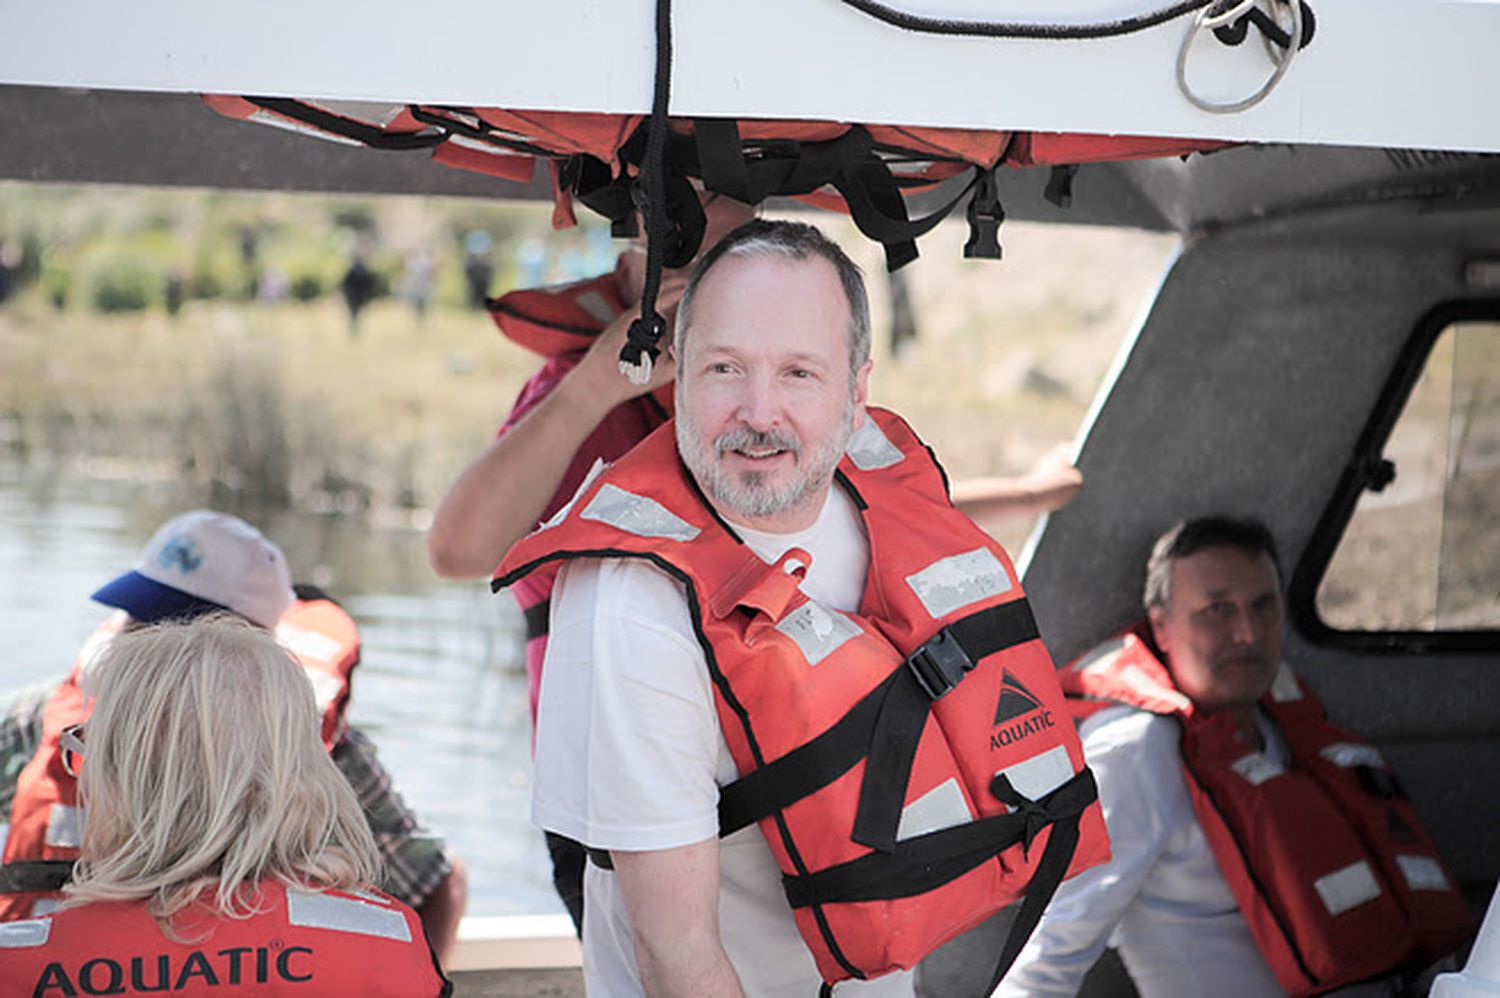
x=222, y=851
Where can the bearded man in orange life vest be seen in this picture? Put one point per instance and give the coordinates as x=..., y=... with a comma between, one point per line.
x=197, y=563
x=1259, y=850
x=735, y=592
x=577, y=410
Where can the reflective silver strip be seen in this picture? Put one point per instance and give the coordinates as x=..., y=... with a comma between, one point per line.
x=639, y=515
x=1043, y=773
x=1348, y=888
x=371, y=112
x=1284, y=688
x=301, y=641
x=65, y=826
x=1101, y=656
x=324, y=911
x=28, y=934
x=1351, y=754
x=817, y=630
x=567, y=507
x=1256, y=768
x=265, y=117
x=870, y=449
x=325, y=686
x=4, y=835
x=957, y=581
x=45, y=906
x=596, y=306
x=1422, y=873
x=941, y=807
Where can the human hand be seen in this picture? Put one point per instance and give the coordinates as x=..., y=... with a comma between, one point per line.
x=599, y=369
x=1053, y=479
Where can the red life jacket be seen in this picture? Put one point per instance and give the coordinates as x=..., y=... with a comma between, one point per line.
x=301, y=943
x=46, y=821
x=923, y=774
x=1337, y=878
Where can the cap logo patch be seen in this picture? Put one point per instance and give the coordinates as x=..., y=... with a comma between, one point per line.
x=180, y=553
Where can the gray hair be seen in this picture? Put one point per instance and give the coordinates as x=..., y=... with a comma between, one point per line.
x=1188, y=537
x=762, y=238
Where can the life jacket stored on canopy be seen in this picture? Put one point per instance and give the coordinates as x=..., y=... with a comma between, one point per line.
x=46, y=820
x=911, y=766
x=875, y=173
x=297, y=942
x=1328, y=861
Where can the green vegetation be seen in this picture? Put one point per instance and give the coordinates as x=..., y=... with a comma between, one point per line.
x=145, y=338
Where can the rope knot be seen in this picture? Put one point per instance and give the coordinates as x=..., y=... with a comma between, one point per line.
x=1036, y=813
x=638, y=355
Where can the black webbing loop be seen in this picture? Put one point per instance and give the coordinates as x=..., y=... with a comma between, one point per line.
x=24, y=876
x=349, y=128
x=1049, y=873
x=1060, y=185
x=538, y=618
x=931, y=672
x=985, y=215
x=641, y=350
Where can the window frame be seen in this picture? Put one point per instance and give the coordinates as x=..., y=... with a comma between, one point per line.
x=1366, y=465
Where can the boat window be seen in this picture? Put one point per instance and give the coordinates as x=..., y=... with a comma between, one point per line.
x=1421, y=551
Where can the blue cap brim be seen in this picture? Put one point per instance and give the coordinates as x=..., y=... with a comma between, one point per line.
x=149, y=601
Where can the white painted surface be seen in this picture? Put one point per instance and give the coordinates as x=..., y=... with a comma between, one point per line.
x=516, y=942
x=1408, y=73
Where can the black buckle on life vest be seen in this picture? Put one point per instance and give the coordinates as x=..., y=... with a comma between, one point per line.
x=939, y=664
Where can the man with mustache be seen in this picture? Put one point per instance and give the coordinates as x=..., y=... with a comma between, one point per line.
x=717, y=612
x=1225, y=789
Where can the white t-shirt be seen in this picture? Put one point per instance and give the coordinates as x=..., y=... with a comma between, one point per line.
x=1162, y=899
x=629, y=754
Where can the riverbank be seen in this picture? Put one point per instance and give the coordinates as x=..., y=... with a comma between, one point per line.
x=275, y=405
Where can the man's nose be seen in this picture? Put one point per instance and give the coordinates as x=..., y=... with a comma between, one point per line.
x=760, y=405
x=1243, y=628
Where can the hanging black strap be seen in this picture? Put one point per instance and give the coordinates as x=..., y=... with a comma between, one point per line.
x=640, y=350
x=537, y=619
x=931, y=672
x=34, y=875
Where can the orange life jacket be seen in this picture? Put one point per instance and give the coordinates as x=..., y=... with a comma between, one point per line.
x=46, y=820
x=559, y=318
x=299, y=943
x=866, y=170
x=911, y=766
x=1330, y=865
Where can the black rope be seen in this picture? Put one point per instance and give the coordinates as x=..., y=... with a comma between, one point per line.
x=1001, y=29
x=640, y=349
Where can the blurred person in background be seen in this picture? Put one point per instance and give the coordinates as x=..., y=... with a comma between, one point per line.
x=222, y=850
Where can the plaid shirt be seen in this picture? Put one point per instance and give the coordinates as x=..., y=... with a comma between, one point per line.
x=415, y=859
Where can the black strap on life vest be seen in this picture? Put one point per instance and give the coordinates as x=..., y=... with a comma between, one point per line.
x=883, y=728
x=349, y=128
x=29, y=876
x=537, y=619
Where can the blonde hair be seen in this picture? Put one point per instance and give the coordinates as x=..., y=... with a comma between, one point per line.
x=204, y=771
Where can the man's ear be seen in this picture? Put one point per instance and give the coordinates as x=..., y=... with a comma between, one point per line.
x=861, y=393
x=1158, y=619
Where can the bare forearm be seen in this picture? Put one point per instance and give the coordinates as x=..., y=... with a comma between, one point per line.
x=687, y=969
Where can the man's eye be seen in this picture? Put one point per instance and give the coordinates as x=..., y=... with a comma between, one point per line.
x=800, y=372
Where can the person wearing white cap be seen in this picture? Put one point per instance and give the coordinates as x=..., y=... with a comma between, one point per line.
x=197, y=563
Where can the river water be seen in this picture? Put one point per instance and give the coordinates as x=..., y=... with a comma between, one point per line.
x=441, y=687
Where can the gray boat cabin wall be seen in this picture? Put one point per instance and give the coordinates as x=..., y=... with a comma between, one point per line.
x=1245, y=391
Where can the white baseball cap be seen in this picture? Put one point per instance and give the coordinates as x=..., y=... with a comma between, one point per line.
x=200, y=562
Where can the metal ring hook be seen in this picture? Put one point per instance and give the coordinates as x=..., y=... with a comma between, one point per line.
x=1282, y=58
